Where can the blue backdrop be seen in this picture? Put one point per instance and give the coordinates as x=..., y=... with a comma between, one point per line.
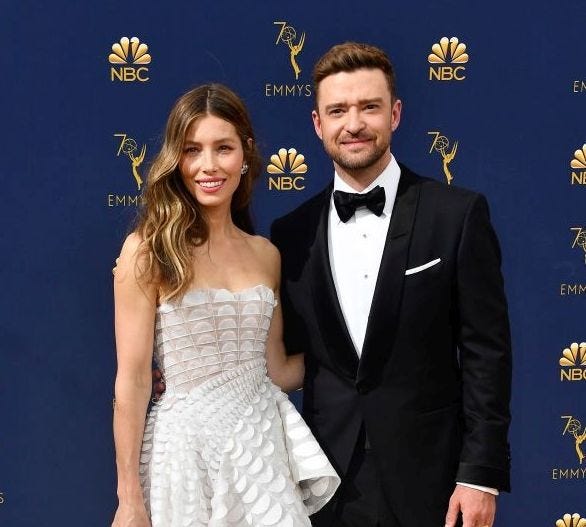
x=505, y=118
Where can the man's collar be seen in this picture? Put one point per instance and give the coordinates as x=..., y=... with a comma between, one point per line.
x=388, y=179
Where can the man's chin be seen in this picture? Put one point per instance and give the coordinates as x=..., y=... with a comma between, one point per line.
x=358, y=162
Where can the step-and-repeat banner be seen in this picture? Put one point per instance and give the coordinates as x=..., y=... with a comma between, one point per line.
x=494, y=100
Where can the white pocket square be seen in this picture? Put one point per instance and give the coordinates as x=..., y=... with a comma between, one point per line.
x=420, y=268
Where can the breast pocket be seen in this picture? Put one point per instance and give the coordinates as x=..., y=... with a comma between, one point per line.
x=426, y=289
x=425, y=273
x=423, y=267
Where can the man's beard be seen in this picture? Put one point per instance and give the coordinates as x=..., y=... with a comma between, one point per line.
x=354, y=162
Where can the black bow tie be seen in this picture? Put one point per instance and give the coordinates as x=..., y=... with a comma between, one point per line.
x=346, y=203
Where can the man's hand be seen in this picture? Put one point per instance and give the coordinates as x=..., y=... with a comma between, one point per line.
x=158, y=385
x=477, y=507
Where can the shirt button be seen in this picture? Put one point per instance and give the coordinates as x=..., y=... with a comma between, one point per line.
x=365, y=276
x=364, y=236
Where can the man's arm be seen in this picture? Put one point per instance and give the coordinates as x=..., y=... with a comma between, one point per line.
x=485, y=356
x=485, y=353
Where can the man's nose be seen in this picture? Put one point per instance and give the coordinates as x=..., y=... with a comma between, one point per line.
x=354, y=121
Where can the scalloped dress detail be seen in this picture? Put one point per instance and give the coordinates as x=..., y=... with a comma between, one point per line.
x=224, y=447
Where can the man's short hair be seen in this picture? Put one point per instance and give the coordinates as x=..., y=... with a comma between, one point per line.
x=351, y=56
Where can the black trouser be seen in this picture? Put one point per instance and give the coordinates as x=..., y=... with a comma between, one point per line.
x=359, y=502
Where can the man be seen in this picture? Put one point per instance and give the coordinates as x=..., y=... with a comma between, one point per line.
x=391, y=285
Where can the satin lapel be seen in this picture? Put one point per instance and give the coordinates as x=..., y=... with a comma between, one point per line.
x=384, y=312
x=327, y=306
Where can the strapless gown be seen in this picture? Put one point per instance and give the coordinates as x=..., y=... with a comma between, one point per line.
x=224, y=447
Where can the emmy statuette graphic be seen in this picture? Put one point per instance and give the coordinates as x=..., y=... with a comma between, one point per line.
x=440, y=144
x=288, y=35
x=128, y=146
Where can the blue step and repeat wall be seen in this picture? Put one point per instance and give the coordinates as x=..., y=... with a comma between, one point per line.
x=494, y=100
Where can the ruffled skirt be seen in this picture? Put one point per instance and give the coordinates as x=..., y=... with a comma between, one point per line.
x=232, y=452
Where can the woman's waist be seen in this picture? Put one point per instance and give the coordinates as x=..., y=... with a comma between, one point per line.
x=201, y=380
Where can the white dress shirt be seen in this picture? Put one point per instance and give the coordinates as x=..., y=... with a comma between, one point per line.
x=355, y=249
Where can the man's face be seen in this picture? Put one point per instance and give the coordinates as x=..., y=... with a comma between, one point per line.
x=355, y=119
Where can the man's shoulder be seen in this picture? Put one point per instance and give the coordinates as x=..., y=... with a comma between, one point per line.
x=438, y=192
x=434, y=186
x=310, y=209
x=298, y=228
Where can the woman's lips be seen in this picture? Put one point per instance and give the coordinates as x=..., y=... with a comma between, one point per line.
x=210, y=185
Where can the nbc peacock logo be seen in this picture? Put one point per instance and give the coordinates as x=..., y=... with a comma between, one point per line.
x=578, y=164
x=571, y=520
x=287, y=168
x=446, y=60
x=129, y=58
x=573, y=362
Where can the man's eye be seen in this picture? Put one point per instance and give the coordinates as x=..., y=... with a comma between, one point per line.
x=336, y=111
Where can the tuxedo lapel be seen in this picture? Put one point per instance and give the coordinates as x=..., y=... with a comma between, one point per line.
x=327, y=306
x=384, y=311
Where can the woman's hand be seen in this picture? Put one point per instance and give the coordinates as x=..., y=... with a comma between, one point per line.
x=158, y=385
x=131, y=515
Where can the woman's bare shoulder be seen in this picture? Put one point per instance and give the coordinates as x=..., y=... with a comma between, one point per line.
x=130, y=253
x=265, y=248
x=133, y=261
x=131, y=244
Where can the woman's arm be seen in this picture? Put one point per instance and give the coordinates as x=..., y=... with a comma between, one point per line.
x=135, y=305
x=286, y=371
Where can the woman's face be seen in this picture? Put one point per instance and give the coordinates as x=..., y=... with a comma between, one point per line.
x=211, y=161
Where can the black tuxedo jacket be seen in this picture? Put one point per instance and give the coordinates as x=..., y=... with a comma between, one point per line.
x=432, y=385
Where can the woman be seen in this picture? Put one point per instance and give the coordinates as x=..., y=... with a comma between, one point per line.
x=223, y=446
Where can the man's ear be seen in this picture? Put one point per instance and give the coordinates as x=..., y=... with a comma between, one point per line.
x=316, y=123
x=396, y=114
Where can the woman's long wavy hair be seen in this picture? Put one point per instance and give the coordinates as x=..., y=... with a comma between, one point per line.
x=170, y=221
